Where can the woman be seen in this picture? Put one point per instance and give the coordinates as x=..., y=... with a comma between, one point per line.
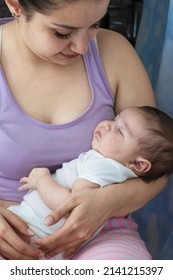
x=59, y=77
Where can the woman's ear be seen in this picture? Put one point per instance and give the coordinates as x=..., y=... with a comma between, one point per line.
x=14, y=7
x=140, y=165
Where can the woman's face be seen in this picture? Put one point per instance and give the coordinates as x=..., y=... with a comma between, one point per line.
x=63, y=35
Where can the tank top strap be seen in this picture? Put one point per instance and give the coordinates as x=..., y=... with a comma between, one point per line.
x=95, y=68
x=1, y=28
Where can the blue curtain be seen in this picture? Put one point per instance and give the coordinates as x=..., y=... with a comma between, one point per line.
x=155, y=47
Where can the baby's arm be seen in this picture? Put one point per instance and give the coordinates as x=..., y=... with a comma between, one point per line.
x=52, y=193
x=81, y=183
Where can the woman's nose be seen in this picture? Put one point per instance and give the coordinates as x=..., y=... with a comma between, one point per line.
x=80, y=42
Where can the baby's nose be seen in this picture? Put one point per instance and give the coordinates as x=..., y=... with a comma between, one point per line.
x=107, y=127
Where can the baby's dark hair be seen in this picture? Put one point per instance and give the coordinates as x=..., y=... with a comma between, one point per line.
x=157, y=145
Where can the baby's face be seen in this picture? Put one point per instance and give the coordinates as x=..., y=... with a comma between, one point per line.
x=118, y=138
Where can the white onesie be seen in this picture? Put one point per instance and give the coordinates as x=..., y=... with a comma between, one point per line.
x=91, y=166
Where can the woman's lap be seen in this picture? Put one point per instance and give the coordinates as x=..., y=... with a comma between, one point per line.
x=119, y=240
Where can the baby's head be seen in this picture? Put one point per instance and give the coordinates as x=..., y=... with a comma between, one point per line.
x=157, y=144
x=139, y=138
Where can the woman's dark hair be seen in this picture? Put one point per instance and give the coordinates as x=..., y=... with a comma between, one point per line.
x=41, y=6
x=29, y=7
x=157, y=145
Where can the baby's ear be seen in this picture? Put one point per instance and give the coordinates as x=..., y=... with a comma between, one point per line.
x=140, y=165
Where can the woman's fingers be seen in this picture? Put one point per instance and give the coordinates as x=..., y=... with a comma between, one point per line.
x=66, y=237
x=12, y=243
x=61, y=212
x=87, y=215
x=57, y=239
x=66, y=255
x=16, y=222
x=71, y=235
x=12, y=230
x=69, y=252
x=13, y=253
x=71, y=246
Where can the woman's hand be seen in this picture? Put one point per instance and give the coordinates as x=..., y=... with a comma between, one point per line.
x=88, y=212
x=90, y=208
x=11, y=245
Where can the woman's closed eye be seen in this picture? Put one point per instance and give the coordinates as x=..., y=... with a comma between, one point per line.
x=67, y=36
x=63, y=36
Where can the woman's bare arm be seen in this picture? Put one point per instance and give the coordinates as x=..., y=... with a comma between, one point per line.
x=132, y=195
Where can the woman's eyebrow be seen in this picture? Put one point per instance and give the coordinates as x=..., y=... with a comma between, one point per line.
x=66, y=26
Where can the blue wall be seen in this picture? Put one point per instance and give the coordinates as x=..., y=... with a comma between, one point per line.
x=155, y=47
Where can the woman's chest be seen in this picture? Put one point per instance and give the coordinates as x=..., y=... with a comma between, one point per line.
x=53, y=97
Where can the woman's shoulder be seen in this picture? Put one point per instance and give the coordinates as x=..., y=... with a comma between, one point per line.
x=115, y=51
x=111, y=39
x=122, y=65
x=114, y=45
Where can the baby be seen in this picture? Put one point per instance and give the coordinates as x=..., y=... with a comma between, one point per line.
x=138, y=142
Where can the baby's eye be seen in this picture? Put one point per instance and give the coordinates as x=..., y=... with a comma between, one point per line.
x=119, y=130
x=63, y=36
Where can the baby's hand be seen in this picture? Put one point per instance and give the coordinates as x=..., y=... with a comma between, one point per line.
x=26, y=184
x=32, y=181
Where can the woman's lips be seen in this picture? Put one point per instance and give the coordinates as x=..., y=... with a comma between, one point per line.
x=70, y=56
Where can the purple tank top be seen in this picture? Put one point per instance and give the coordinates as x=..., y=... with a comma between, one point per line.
x=26, y=143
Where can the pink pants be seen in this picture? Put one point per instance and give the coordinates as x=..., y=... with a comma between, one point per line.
x=118, y=240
